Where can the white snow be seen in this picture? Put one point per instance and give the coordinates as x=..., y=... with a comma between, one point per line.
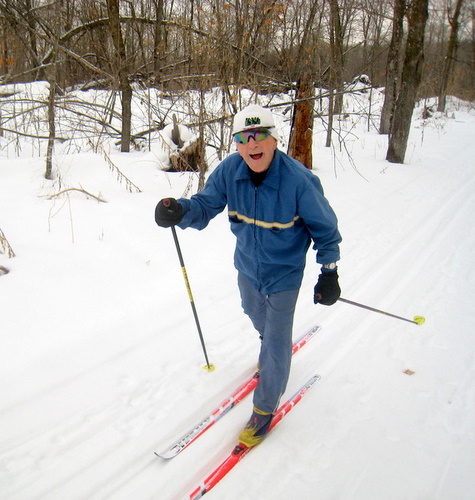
x=100, y=361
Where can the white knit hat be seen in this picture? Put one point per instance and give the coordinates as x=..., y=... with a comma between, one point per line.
x=254, y=116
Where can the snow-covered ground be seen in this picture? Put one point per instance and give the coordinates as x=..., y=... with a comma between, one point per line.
x=100, y=360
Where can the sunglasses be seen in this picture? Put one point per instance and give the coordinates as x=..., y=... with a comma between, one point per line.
x=258, y=134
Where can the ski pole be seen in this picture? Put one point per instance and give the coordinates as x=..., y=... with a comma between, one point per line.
x=418, y=320
x=209, y=367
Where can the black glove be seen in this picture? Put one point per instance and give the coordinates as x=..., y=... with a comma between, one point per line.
x=327, y=290
x=168, y=212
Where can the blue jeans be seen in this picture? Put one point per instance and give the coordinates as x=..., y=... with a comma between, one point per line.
x=272, y=316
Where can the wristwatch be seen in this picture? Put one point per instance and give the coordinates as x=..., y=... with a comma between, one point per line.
x=330, y=266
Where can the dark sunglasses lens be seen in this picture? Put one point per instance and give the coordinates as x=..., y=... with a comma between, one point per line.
x=257, y=134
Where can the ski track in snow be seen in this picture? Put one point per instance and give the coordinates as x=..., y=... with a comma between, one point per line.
x=96, y=394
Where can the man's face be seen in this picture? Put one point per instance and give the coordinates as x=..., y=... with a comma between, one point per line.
x=258, y=155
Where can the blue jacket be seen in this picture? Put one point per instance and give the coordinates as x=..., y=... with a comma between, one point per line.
x=273, y=223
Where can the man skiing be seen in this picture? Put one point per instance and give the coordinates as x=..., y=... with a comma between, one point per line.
x=276, y=208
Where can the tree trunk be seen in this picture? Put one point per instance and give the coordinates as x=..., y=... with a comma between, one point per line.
x=159, y=42
x=411, y=78
x=472, y=11
x=51, y=125
x=449, y=58
x=301, y=135
x=52, y=75
x=33, y=45
x=121, y=67
x=304, y=54
x=336, y=48
x=328, y=142
x=392, y=71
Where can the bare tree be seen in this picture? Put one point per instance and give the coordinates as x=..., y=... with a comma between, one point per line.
x=52, y=75
x=159, y=45
x=51, y=122
x=120, y=57
x=410, y=81
x=337, y=61
x=450, y=56
x=393, y=67
x=301, y=134
x=373, y=17
x=472, y=12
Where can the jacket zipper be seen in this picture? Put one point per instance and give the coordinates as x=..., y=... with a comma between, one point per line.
x=258, y=270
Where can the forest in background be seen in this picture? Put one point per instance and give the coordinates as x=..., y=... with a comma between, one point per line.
x=178, y=45
x=414, y=49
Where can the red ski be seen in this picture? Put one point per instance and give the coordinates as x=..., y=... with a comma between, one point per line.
x=236, y=397
x=241, y=451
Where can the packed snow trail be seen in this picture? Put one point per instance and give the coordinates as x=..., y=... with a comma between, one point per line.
x=99, y=367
